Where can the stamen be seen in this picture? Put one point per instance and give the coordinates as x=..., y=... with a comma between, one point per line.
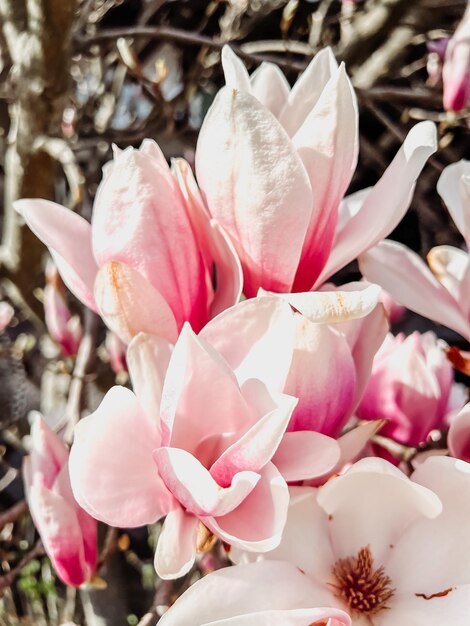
x=364, y=589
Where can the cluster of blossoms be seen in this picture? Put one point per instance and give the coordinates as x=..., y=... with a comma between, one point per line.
x=248, y=415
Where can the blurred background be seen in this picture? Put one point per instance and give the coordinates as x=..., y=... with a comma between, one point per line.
x=77, y=77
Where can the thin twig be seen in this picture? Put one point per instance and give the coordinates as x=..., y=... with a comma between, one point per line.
x=13, y=513
x=8, y=579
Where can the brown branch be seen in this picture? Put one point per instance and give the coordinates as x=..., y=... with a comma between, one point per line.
x=13, y=513
x=8, y=579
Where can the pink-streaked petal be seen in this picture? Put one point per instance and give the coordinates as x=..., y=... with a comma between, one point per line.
x=129, y=304
x=251, y=177
x=454, y=188
x=371, y=505
x=257, y=523
x=48, y=453
x=60, y=532
x=140, y=219
x=68, y=237
x=306, y=455
x=148, y=357
x=325, y=385
x=451, y=267
x=256, y=447
x=176, y=547
x=234, y=591
x=307, y=90
x=365, y=336
x=264, y=328
x=201, y=396
x=331, y=307
x=392, y=194
x=408, y=279
x=194, y=487
x=458, y=438
x=328, y=144
x=216, y=247
x=235, y=72
x=270, y=87
x=115, y=443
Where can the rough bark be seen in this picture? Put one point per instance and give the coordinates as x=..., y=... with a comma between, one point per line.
x=38, y=35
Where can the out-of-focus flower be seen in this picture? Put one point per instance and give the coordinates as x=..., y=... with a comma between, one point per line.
x=6, y=315
x=369, y=541
x=68, y=533
x=409, y=386
x=63, y=327
x=277, y=594
x=441, y=293
x=274, y=164
x=146, y=261
x=395, y=311
x=458, y=437
x=196, y=448
x=116, y=352
x=456, y=70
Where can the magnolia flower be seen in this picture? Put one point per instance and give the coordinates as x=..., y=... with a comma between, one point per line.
x=395, y=311
x=456, y=70
x=116, y=353
x=146, y=261
x=193, y=445
x=68, y=533
x=441, y=293
x=458, y=437
x=384, y=548
x=62, y=326
x=409, y=387
x=274, y=164
x=249, y=595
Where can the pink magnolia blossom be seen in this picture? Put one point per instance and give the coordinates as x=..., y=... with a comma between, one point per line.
x=441, y=291
x=193, y=445
x=458, y=437
x=63, y=327
x=145, y=263
x=274, y=164
x=395, y=311
x=116, y=353
x=409, y=386
x=68, y=533
x=387, y=549
x=456, y=69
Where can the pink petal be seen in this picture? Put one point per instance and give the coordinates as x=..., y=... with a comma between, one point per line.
x=148, y=357
x=251, y=177
x=48, y=453
x=201, y=396
x=116, y=443
x=393, y=502
x=257, y=523
x=406, y=277
x=215, y=245
x=307, y=90
x=194, y=487
x=129, y=304
x=451, y=267
x=68, y=237
x=355, y=440
x=264, y=328
x=176, y=547
x=328, y=144
x=235, y=591
x=270, y=87
x=292, y=617
x=458, y=438
x=6, y=315
x=454, y=188
x=392, y=194
x=326, y=393
x=257, y=446
x=60, y=532
x=306, y=455
x=140, y=219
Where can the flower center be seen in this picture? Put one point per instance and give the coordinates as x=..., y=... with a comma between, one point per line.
x=365, y=589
